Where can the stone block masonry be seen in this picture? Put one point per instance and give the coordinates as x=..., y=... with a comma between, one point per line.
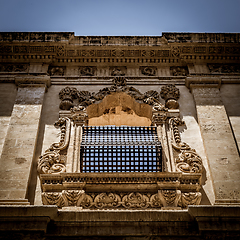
x=219, y=144
x=19, y=146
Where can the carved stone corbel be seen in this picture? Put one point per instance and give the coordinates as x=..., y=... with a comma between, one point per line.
x=72, y=197
x=53, y=198
x=190, y=198
x=53, y=161
x=169, y=198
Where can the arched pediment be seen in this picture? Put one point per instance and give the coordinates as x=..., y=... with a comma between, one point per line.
x=109, y=104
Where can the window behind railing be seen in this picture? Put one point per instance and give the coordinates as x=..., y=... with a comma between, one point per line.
x=120, y=149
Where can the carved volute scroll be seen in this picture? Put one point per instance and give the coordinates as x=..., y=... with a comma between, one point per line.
x=53, y=160
x=186, y=158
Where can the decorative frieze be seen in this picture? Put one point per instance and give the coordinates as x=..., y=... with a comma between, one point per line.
x=14, y=67
x=224, y=68
x=123, y=200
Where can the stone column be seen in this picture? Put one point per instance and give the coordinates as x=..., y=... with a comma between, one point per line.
x=21, y=138
x=220, y=146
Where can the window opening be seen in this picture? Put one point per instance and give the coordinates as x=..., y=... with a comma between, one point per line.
x=120, y=149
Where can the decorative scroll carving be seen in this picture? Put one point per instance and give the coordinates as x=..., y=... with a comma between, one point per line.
x=56, y=71
x=87, y=71
x=155, y=201
x=187, y=160
x=224, y=68
x=110, y=200
x=67, y=95
x=133, y=200
x=170, y=94
x=118, y=71
x=86, y=98
x=52, y=161
x=148, y=71
x=179, y=71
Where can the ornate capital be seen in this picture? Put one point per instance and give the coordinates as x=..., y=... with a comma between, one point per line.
x=79, y=115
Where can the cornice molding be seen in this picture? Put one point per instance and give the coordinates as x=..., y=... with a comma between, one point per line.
x=120, y=40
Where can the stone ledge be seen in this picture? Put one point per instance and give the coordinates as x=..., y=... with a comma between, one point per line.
x=196, y=221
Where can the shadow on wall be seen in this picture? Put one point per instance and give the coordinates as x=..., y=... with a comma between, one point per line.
x=8, y=93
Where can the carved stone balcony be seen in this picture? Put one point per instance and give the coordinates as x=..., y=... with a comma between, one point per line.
x=159, y=190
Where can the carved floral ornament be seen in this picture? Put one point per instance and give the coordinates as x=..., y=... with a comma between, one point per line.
x=185, y=159
x=123, y=200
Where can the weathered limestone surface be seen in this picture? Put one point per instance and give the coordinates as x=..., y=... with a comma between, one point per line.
x=19, y=146
x=7, y=98
x=231, y=99
x=219, y=144
x=190, y=133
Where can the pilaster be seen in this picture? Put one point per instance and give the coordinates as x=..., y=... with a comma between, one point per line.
x=20, y=142
x=220, y=146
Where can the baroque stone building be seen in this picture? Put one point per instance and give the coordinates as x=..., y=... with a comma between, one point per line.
x=119, y=137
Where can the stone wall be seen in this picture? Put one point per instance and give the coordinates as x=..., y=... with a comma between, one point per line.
x=35, y=67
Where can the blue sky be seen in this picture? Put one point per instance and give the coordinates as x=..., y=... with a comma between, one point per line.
x=120, y=17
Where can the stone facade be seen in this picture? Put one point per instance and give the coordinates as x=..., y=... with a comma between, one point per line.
x=184, y=85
